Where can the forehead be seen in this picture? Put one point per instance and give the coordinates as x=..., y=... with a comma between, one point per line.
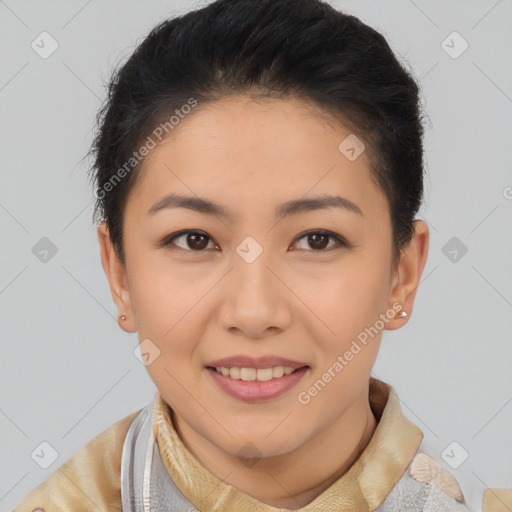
x=249, y=151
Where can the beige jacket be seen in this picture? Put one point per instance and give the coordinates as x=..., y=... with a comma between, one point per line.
x=392, y=462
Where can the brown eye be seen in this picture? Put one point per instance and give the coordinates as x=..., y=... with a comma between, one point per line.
x=190, y=240
x=197, y=241
x=319, y=240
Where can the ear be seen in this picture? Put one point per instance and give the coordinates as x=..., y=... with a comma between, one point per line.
x=408, y=274
x=115, y=271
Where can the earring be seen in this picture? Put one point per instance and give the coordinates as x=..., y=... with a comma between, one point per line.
x=122, y=317
x=402, y=314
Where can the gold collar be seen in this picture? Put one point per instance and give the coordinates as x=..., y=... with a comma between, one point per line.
x=363, y=487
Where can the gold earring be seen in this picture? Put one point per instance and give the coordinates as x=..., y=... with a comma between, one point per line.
x=122, y=317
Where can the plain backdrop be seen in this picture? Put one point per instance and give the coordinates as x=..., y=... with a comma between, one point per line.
x=68, y=371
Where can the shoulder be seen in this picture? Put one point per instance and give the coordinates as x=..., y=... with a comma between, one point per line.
x=426, y=486
x=89, y=480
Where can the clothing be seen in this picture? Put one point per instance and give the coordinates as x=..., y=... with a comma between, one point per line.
x=140, y=464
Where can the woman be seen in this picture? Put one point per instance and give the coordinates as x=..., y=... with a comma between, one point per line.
x=258, y=170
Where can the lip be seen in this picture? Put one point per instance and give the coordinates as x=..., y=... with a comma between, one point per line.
x=254, y=390
x=242, y=361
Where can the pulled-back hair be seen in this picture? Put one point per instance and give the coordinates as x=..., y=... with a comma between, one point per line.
x=265, y=49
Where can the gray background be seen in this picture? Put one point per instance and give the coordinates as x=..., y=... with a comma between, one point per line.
x=68, y=371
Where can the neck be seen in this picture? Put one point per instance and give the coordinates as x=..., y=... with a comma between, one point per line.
x=294, y=479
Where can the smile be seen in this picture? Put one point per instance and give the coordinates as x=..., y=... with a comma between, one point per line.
x=261, y=374
x=256, y=384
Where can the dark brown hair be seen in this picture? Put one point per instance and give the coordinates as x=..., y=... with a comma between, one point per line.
x=270, y=49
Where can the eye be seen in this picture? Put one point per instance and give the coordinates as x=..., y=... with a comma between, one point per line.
x=197, y=241
x=191, y=240
x=318, y=240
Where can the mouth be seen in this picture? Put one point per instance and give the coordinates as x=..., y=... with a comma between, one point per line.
x=256, y=384
x=252, y=374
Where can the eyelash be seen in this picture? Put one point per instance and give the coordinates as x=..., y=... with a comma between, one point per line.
x=340, y=241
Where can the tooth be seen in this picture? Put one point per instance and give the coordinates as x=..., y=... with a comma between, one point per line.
x=234, y=373
x=248, y=373
x=264, y=374
x=277, y=371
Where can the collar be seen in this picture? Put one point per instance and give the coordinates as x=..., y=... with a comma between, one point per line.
x=363, y=487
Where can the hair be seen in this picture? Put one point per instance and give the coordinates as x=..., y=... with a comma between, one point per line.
x=264, y=49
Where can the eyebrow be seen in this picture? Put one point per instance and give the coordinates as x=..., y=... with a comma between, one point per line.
x=292, y=207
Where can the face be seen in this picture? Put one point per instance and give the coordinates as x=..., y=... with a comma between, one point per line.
x=269, y=275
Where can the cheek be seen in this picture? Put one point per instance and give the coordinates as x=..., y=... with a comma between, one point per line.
x=353, y=297
x=163, y=293
x=347, y=344
x=349, y=306
x=168, y=312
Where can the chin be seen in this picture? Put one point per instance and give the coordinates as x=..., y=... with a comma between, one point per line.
x=253, y=443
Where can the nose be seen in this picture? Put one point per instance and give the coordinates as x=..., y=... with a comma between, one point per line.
x=255, y=299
